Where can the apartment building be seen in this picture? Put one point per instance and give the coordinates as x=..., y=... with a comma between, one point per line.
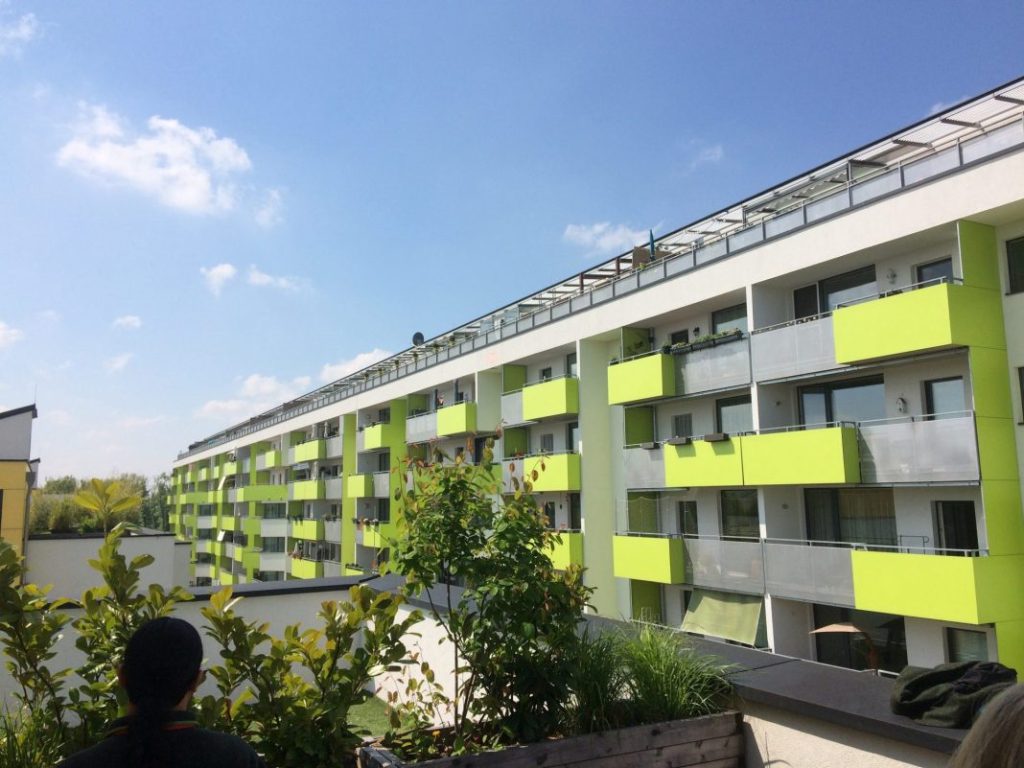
x=801, y=412
x=18, y=472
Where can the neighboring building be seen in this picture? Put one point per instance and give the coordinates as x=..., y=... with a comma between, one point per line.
x=802, y=411
x=17, y=474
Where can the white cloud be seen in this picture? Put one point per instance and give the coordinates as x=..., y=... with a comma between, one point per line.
x=269, y=214
x=262, y=279
x=256, y=394
x=708, y=156
x=49, y=316
x=16, y=33
x=339, y=370
x=118, y=363
x=128, y=321
x=217, y=276
x=190, y=169
x=139, y=422
x=9, y=335
x=604, y=238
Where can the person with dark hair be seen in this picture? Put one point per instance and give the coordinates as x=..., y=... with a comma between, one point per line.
x=160, y=673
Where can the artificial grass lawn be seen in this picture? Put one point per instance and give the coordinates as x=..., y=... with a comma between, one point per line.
x=371, y=715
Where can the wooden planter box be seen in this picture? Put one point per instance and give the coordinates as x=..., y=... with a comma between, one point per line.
x=715, y=741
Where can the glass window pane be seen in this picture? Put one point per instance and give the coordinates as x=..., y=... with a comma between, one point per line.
x=739, y=513
x=687, y=511
x=957, y=524
x=944, y=397
x=935, y=271
x=805, y=302
x=859, y=402
x=820, y=510
x=813, y=406
x=729, y=319
x=1015, y=264
x=682, y=425
x=679, y=337
x=847, y=287
x=867, y=516
x=966, y=645
x=735, y=415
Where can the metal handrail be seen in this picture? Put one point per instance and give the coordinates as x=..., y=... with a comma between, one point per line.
x=541, y=381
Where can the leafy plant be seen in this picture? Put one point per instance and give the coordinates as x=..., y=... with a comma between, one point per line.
x=109, y=501
x=291, y=696
x=481, y=560
x=597, y=685
x=28, y=740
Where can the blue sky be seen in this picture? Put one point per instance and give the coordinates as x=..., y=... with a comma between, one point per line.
x=206, y=208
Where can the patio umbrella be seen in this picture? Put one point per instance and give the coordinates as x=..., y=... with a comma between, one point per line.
x=851, y=629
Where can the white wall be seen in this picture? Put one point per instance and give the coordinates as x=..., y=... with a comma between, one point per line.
x=16, y=437
x=926, y=640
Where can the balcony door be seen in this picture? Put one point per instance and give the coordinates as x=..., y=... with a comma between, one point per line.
x=854, y=400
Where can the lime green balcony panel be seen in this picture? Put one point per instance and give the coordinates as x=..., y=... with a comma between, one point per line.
x=359, y=486
x=228, y=523
x=377, y=436
x=307, y=490
x=703, y=464
x=262, y=493
x=203, y=474
x=306, y=569
x=936, y=317
x=192, y=475
x=569, y=551
x=649, y=558
x=972, y=590
x=229, y=468
x=311, y=530
x=642, y=378
x=314, y=450
x=347, y=571
x=559, y=472
x=378, y=536
x=458, y=419
x=238, y=553
x=251, y=526
x=226, y=578
x=805, y=457
x=558, y=397
x=216, y=548
x=189, y=521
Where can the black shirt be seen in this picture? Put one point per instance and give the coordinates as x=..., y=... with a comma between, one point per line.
x=183, y=744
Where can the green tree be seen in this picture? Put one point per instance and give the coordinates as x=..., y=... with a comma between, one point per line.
x=108, y=501
x=54, y=513
x=482, y=562
x=67, y=484
x=155, y=512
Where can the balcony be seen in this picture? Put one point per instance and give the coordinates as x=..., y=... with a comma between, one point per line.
x=202, y=545
x=549, y=399
x=641, y=378
x=206, y=521
x=796, y=348
x=569, y=551
x=902, y=322
x=512, y=408
x=306, y=569
x=421, y=428
x=810, y=571
x=228, y=523
x=251, y=560
x=802, y=457
x=313, y=450
x=701, y=464
x=972, y=590
x=334, y=447
x=458, y=419
x=268, y=460
x=226, y=577
x=273, y=528
x=733, y=565
x=558, y=472
x=332, y=529
x=720, y=363
x=333, y=488
x=937, y=450
x=203, y=474
x=359, y=486
x=644, y=467
x=262, y=493
x=251, y=526
x=306, y=490
x=652, y=558
x=273, y=561
x=377, y=536
x=310, y=530
x=229, y=468
x=374, y=437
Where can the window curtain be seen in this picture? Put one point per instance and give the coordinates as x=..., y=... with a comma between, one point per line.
x=739, y=618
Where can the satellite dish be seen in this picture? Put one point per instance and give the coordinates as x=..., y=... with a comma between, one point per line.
x=417, y=339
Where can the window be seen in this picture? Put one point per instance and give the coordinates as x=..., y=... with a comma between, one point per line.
x=944, y=398
x=384, y=461
x=545, y=374
x=570, y=364
x=687, y=512
x=575, y=512
x=549, y=514
x=739, y=514
x=956, y=524
x=851, y=515
x=332, y=552
x=572, y=436
x=679, y=337
x=384, y=415
x=682, y=425
x=273, y=544
x=856, y=400
x=805, y=301
x=858, y=284
x=1015, y=264
x=730, y=319
x=935, y=271
x=882, y=640
x=733, y=415
x=547, y=443
x=384, y=510
x=966, y=645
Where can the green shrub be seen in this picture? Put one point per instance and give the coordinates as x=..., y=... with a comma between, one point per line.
x=668, y=680
x=28, y=741
x=597, y=685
